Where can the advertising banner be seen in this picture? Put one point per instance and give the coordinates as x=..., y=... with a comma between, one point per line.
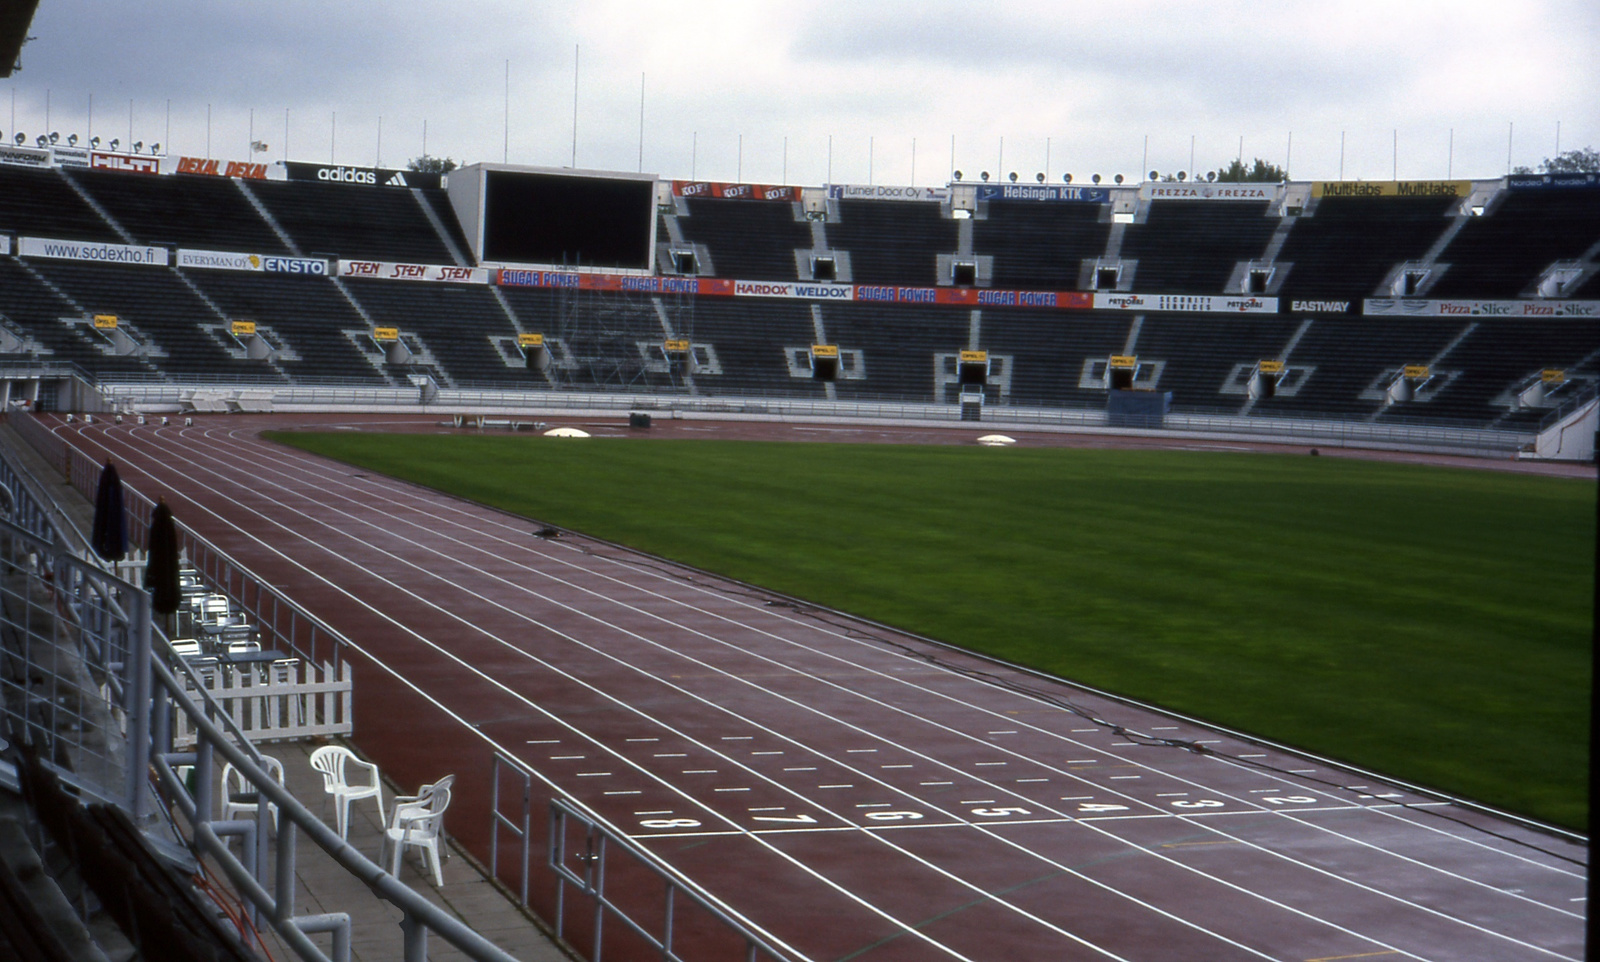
x=127, y=163
x=1323, y=307
x=1391, y=188
x=530, y=340
x=386, y=334
x=675, y=345
x=800, y=289
x=1549, y=181
x=24, y=157
x=69, y=156
x=222, y=168
x=520, y=277
x=1418, y=307
x=1204, y=191
x=87, y=251
x=313, y=266
x=217, y=260
x=722, y=191
x=883, y=192
x=361, y=176
x=243, y=328
x=1186, y=303
x=105, y=322
x=5, y=243
x=388, y=271
x=1046, y=192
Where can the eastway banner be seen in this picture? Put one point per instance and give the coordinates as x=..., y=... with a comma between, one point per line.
x=1186, y=303
x=389, y=271
x=1418, y=307
x=101, y=253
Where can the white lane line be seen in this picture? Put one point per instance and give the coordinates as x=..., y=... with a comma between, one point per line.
x=766, y=753
x=896, y=766
x=642, y=739
x=591, y=774
x=543, y=741
x=670, y=755
x=936, y=783
x=633, y=792
x=802, y=768
x=730, y=789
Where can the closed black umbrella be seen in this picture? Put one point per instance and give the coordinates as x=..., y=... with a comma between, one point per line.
x=110, y=535
x=161, y=568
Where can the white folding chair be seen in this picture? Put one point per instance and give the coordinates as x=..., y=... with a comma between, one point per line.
x=337, y=764
x=239, y=797
x=419, y=821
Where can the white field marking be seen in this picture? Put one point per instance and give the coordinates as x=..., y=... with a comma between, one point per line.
x=591, y=774
x=836, y=786
x=769, y=808
x=1164, y=728
x=543, y=741
x=1076, y=798
x=1118, y=778
x=737, y=738
x=665, y=811
x=859, y=751
x=1082, y=761
x=936, y=783
x=642, y=739
x=896, y=766
x=766, y=753
x=1226, y=793
x=1256, y=755
x=1021, y=780
x=700, y=771
x=1213, y=741
x=1397, y=814
x=979, y=801
x=1012, y=732
x=634, y=792
x=566, y=758
x=1302, y=771
x=1081, y=731
x=1172, y=795
x=730, y=789
x=806, y=768
x=317, y=576
x=670, y=755
x=988, y=763
x=874, y=805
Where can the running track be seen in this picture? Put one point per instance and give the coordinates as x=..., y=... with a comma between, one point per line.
x=854, y=793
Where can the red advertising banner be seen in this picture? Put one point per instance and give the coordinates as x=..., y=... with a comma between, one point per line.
x=724, y=191
x=129, y=163
x=222, y=168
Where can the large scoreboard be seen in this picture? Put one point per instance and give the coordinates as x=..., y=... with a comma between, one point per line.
x=556, y=217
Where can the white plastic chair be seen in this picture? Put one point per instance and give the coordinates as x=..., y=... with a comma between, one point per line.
x=240, y=797
x=419, y=820
x=337, y=764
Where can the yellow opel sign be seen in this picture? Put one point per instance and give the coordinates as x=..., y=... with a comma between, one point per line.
x=386, y=334
x=530, y=340
x=105, y=322
x=243, y=328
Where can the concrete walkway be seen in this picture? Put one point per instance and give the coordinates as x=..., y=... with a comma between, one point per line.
x=322, y=886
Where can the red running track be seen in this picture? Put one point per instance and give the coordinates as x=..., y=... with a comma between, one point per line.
x=856, y=794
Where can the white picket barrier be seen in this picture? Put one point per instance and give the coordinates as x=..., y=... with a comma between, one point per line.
x=273, y=701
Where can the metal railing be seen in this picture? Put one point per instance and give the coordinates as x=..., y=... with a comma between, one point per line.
x=580, y=847
x=1393, y=431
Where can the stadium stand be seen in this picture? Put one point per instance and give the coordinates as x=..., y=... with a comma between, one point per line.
x=756, y=240
x=1346, y=246
x=1038, y=244
x=1033, y=305
x=1192, y=246
x=922, y=232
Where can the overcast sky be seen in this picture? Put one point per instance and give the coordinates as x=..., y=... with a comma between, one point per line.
x=1020, y=86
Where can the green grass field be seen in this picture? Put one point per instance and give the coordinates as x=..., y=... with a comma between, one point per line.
x=1428, y=623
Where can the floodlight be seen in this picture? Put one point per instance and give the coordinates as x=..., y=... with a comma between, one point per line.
x=1211, y=175
x=20, y=138
x=155, y=148
x=1095, y=178
x=54, y=136
x=1066, y=178
x=1118, y=178
x=1182, y=176
x=1013, y=177
x=94, y=141
x=41, y=140
x=72, y=140
x=1154, y=175
x=958, y=175
x=114, y=143
x=984, y=176
x=1039, y=177
x=138, y=145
